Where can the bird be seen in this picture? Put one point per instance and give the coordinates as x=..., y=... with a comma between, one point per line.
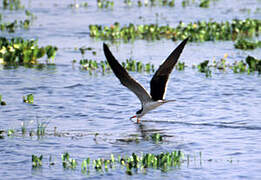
x=158, y=83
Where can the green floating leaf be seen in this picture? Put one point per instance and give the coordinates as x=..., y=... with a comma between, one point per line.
x=180, y=66
x=37, y=161
x=2, y=103
x=28, y=99
x=10, y=132
x=204, y=3
x=246, y=44
x=68, y=162
x=18, y=51
x=129, y=65
x=198, y=31
x=204, y=68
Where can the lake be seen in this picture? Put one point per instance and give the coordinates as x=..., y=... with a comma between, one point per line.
x=215, y=121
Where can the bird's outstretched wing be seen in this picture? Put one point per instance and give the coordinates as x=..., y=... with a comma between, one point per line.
x=159, y=81
x=125, y=78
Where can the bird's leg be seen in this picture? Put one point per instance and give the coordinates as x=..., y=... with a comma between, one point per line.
x=138, y=121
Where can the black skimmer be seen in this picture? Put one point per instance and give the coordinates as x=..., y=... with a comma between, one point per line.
x=158, y=83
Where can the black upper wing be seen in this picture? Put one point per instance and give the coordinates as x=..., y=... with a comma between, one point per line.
x=159, y=80
x=125, y=78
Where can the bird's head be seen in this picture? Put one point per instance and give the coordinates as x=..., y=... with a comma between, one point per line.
x=139, y=114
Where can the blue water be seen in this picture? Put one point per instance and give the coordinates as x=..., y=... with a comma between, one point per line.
x=218, y=117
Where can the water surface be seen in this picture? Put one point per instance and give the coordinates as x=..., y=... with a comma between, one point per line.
x=217, y=116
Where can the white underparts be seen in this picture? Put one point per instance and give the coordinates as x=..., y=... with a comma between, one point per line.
x=150, y=106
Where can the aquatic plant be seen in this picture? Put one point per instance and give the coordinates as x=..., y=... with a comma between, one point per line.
x=105, y=4
x=161, y=161
x=51, y=163
x=12, y=4
x=131, y=164
x=204, y=3
x=23, y=128
x=89, y=64
x=129, y=2
x=185, y=3
x=169, y=3
x=156, y=137
x=51, y=52
x=39, y=130
x=180, y=66
x=41, y=126
x=239, y=67
x=18, y=51
x=204, y=68
x=76, y=5
x=10, y=132
x=68, y=162
x=249, y=64
x=84, y=49
x=246, y=44
x=37, y=161
x=198, y=31
x=133, y=65
x=129, y=65
x=2, y=103
x=201, y=3
x=253, y=64
x=85, y=164
x=30, y=14
x=2, y=134
x=28, y=99
x=12, y=26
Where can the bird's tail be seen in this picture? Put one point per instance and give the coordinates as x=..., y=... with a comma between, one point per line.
x=172, y=100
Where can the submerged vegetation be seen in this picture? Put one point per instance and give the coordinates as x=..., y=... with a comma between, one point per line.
x=18, y=51
x=198, y=31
